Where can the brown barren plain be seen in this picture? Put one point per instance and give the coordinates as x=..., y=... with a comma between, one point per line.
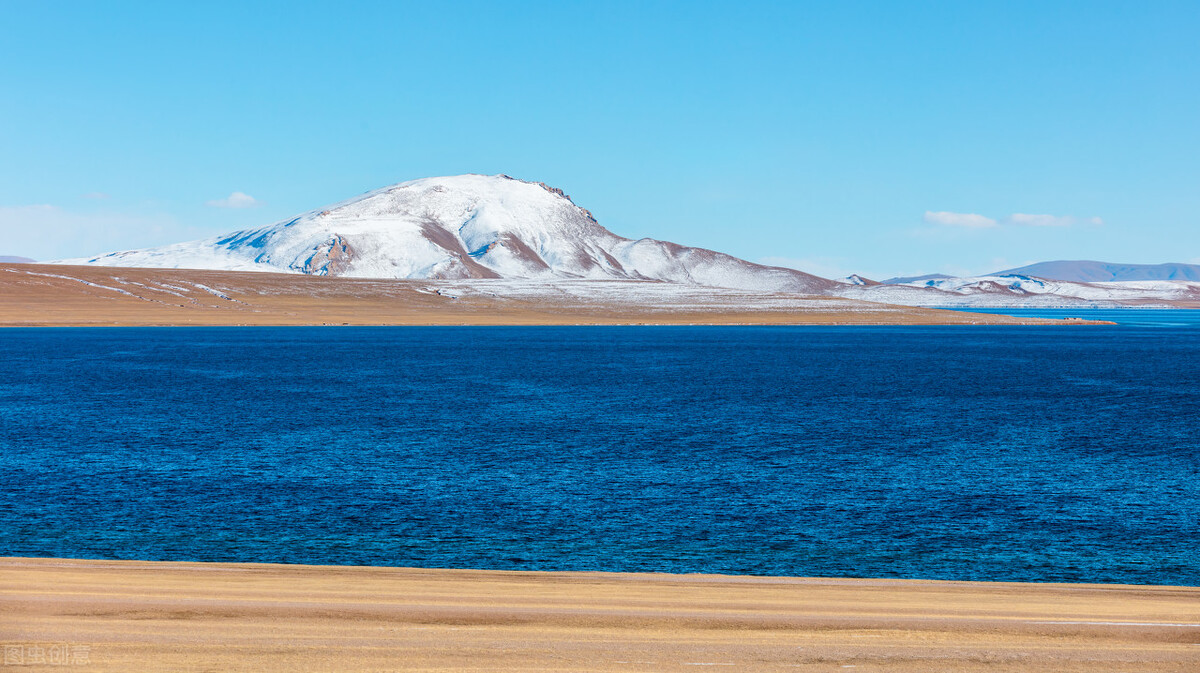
x=46, y=295
x=143, y=616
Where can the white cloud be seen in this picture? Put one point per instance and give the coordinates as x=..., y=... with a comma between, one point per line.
x=95, y=196
x=965, y=220
x=234, y=200
x=1025, y=219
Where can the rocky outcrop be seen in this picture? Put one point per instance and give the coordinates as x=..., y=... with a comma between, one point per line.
x=332, y=258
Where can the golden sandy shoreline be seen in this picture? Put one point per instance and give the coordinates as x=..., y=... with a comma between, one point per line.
x=147, y=616
x=57, y=295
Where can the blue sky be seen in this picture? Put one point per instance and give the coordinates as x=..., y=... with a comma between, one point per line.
x=881, y=138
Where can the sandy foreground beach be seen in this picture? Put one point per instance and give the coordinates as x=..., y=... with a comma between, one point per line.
x=49, y=295
x=144, y=616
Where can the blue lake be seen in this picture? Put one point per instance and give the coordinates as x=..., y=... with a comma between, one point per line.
x=980, y=453
x=1140, y=317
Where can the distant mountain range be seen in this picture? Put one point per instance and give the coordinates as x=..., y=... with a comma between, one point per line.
x=1015, y=290
x=1047, y=284
x=1081, y=272
x=1105, y=272
x=486, y=228
x=915, y=279
x=9, y=259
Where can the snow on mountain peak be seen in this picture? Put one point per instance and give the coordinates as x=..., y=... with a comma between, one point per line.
x=464, y=226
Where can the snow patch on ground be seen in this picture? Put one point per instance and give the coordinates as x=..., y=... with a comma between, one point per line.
x=80, y=280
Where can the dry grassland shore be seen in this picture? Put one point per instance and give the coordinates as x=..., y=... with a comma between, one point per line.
x=143, y=616
x=52, y=295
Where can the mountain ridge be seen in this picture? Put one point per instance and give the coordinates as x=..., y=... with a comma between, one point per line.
x=1089, y=271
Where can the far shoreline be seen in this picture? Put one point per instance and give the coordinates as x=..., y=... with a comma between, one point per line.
x=1059, y=323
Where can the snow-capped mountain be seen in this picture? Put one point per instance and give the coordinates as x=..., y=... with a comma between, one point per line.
x=462, y=227
x=1015, y=290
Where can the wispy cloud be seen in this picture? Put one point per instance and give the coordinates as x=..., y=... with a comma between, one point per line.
x=964, y=220
x=234, y=200
x=976, y=221
x=95, y=196
x=1028, y=220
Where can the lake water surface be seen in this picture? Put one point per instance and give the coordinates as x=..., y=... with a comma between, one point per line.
x=981, y=453
x=1133, y=317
